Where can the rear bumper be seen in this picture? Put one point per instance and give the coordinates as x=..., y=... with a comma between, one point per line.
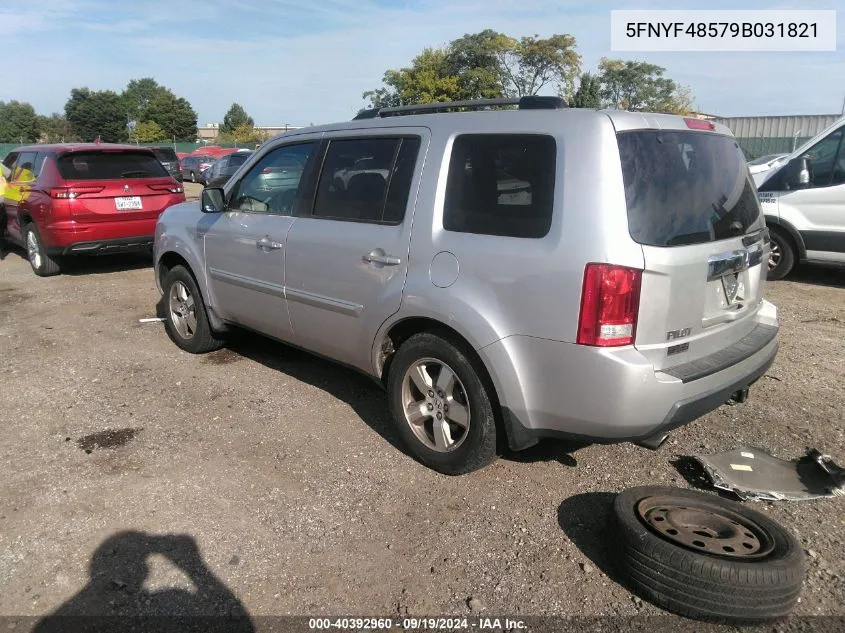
x=553, y=389
x=76, y=238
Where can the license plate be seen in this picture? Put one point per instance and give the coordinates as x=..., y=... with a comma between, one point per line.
x=128, y=204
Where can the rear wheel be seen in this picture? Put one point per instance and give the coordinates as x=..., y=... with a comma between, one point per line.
x=441, y=406
x=42, y=264
x=193, y=176
x=781, y=255
x=186, y=320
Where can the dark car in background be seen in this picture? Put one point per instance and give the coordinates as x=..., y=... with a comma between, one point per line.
x=224, y=168
x=169, y=160
x=194, y=165
x=84, y=198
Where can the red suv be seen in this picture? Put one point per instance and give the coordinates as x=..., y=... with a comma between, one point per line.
x=75, y=199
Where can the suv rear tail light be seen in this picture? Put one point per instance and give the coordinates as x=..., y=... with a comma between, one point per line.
x=699, y=124
x=74, y=192
x=610, y=301
x=170, y=188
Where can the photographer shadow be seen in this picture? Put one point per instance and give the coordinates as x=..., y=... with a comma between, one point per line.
x=115, y=597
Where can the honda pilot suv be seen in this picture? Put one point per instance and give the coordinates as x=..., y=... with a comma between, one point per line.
x=63, y=200
x=507, y=274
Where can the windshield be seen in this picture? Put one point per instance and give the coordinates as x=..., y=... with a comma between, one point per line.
x=765, y=159
x=686, y=187
x=110, y=166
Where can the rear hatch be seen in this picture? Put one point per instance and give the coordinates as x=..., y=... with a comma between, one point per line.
x=693, y=208
x=107, y=185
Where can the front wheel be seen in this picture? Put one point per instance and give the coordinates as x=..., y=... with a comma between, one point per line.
x=42, y=264
x=781, y=256
x=441, y=406
x=186, y=320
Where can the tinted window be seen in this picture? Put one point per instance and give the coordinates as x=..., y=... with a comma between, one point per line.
x=501, y=184
x=685, y=187
x=270, y=187
x=24, y=170
x=366, y=179
x=236, y=160
x=39, y=163
x=400, y=182
x=110, y=166
x=165, y=154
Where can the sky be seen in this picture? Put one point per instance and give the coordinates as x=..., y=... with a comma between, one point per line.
x=298, y=62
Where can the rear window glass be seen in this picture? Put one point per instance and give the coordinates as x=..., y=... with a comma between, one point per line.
x=685, y=187
x=110, y=166
x=501, y=184
x=238, y=159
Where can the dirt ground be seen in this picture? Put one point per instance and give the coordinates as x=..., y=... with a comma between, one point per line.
x=262, y=480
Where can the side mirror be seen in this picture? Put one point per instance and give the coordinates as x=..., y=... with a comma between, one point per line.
x=797, y=173
x=213, y=200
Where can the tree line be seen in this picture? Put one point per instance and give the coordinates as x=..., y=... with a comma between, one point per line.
x=144, y=112
x=490, y=65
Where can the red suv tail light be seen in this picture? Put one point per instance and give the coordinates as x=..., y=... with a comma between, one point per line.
x=166, y=187
x=610, y=301
x=73, y=192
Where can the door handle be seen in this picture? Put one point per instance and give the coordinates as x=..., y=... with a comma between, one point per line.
x=378, y=257
x=268, y=244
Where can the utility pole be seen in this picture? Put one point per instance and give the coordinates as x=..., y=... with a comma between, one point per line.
x=843, y=106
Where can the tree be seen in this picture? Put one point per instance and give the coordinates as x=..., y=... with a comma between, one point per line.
x=18, y=122
x=588, y=94
x=473, y=60
x=94, y=114
x=242, y=135
x=235, y=118
x=149, y=132
x=481, y=65
x=56, y=129
x=532, y=63
x=640, y=86
x=173, y=114
x=138, y=95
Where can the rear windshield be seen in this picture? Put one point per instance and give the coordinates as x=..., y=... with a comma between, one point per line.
x=166, y=154
x=685, y=187
x=110, y=166
x=238, y=159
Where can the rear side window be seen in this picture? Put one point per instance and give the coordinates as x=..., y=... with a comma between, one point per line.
x=367, y=179
x=110, y=166
x=165, y=154
x=685, y=187
x=501, y=184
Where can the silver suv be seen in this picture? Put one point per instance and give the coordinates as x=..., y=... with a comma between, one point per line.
x=508, y=274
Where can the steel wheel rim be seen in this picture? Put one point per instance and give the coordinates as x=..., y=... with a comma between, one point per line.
x=774, y=255
x=182, y=310
x=32, y=249
x=435, y=405
x=702, y=527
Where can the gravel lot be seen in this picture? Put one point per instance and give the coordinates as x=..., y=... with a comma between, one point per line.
x=285, y=471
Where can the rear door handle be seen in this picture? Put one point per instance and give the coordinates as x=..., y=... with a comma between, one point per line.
x=378, y=257
x=268, y=244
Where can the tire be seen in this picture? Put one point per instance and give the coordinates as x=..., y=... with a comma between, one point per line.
x=782, y=245
x=42, y=264
x=190, y=334
x=705, y=585
x=473, y=446
x=193, y=176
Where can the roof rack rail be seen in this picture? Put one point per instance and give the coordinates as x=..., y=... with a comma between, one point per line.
x=532, y=102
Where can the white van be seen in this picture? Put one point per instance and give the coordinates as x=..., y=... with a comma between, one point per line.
x=803, y=199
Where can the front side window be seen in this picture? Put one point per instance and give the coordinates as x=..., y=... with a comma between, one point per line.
x=826, y=162
x=24, y=170
x=501, y=184
x=367, y=179
x=272, y=184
